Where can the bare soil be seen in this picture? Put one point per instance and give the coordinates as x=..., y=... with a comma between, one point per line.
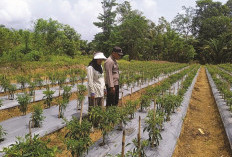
x=203, y=133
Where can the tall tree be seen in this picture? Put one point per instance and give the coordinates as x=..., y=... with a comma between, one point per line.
x=107, y=23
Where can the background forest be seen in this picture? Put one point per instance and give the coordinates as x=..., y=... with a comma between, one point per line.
x=202, y=34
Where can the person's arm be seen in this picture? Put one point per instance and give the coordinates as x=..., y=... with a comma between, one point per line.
x=90, y=81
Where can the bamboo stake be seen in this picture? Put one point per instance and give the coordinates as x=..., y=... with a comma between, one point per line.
x=122, y=99
x=131, y=93
x=30, y=131
x=123, y=143
x=81, y=111
x=154, y=110
x=139, y=145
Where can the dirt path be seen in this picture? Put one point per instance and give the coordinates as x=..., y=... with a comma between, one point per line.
x=202, y=133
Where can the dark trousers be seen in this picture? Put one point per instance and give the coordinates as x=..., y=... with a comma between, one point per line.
x=112, y=99
x=96, y=102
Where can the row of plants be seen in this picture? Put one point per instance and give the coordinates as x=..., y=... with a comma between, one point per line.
x=223, y=84
x=107, y=125
x=41, y=80
x=121, y=112
x=164, y=105
x=227, y=67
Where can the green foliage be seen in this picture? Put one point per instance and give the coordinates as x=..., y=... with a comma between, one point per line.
x=78, y=137
x=4, y=82
x=2, y=134
x=145, y=102
x=23, y=100
x=22, y=80
x=83, y=74
x=26, y=147
x=153, y=127
x=106, y=119
x=33, y=56
x=130, y=106
x=32, y=86
x=1, y=104
x=37, y=115
x=81, y=89
x=48, y=96
x=65, y=100
x=11, y=89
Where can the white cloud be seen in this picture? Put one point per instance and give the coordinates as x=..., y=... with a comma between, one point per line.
x=80, y=14
x=14, y=12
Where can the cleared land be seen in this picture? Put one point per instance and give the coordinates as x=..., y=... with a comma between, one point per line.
x=203, y=133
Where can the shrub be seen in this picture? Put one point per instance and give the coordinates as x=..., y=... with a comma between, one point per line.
x=78, y=137
x=33, y=56
x=81, y=89
x=30, y=147
x=11, y=89
x=37, y=116
x=48, y=96
x=2, y=133
x=23, y=101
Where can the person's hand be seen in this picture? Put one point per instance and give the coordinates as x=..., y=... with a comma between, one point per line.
x=112, y=90
x=105, y=92
x=92, y=95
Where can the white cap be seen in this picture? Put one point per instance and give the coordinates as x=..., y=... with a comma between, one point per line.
x=99, y=55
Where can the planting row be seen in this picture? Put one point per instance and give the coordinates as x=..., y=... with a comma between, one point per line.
x=52, y=123
x=125, y=79
x=83, y=128
x=151, y=125
x=223, y=96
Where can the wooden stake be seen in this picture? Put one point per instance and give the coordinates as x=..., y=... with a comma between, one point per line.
x=122, y=99
x=131, y=93
x=139, y=145
x=123, y=142
x=81, y=111
x=152, y=144
x=30, y=130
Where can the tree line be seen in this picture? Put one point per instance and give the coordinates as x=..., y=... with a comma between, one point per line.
x=202, y=33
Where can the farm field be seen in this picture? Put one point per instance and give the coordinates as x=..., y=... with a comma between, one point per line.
x=169, y=63
x=168, y=86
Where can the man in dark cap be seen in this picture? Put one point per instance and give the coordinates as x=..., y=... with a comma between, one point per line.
x=112, y=77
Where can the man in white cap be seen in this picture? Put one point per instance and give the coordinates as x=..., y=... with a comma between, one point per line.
x=96, y=82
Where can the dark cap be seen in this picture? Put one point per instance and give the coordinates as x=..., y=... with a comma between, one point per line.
x=118, y=50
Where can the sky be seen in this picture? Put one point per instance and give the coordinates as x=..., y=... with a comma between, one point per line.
x=80, y=14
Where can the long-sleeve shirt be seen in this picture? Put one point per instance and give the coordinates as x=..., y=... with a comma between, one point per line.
x=96, y=82
x=112, y=72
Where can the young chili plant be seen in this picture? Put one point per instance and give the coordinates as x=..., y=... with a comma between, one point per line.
x=83, y=74
x=37, y=116
x=81, y=89
x=2, y=134
x=22, y=80
x=153, y=128
x=48, y=96
x=11, y=89
x=131, y=107
x=145, y=102
x=30, y=148
x=4, y=82
x=23, y=100
x=78, y=137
